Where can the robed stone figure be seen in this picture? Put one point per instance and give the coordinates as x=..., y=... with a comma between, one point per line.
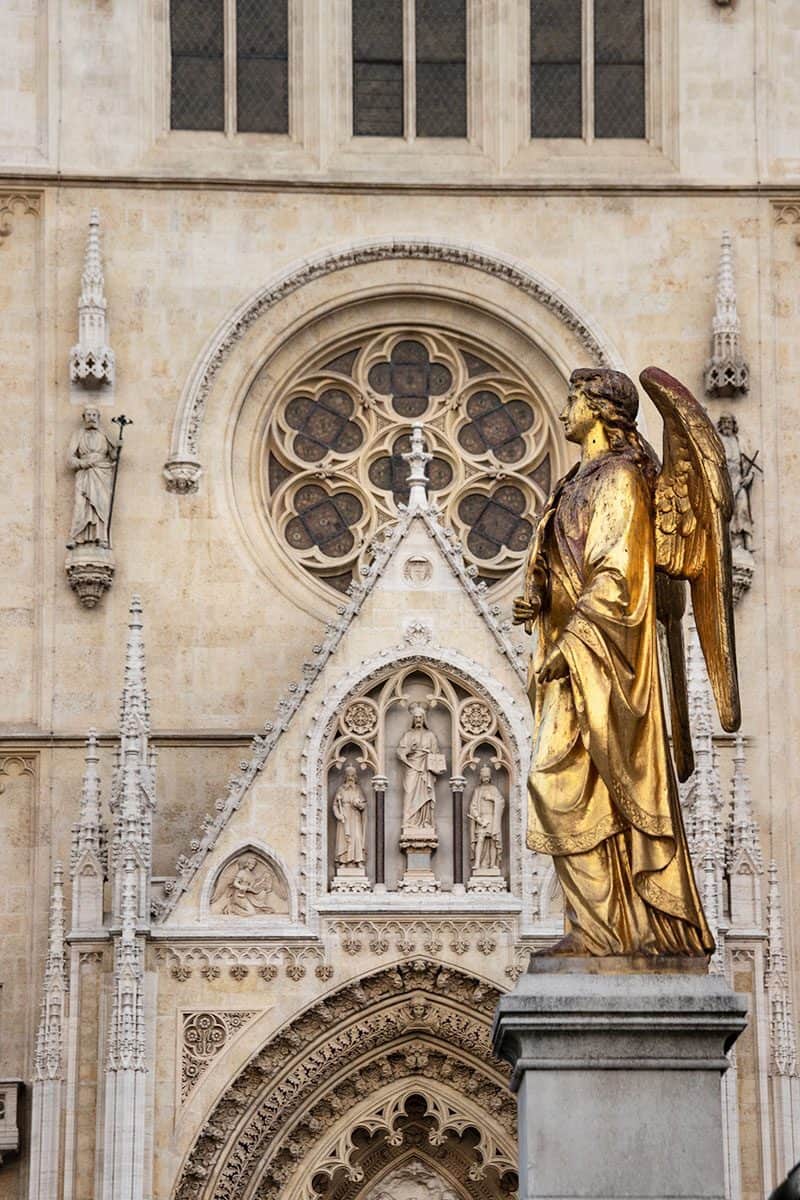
x=616, y=537
x=92, y=456
x=419, y=751
x=349, y=810
x=485, y=816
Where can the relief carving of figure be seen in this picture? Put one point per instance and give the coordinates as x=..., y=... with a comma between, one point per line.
x=617, y=538
x=741, y=469
x=349, y=809
x=485, y=822
x=248, y=887
x=92, y=456
x=419, y=751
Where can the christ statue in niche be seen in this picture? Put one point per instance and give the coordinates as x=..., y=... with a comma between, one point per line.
x=419, y=751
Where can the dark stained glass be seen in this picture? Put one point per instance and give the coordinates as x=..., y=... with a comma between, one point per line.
x=410, y=378
x=197, y=87
x=542, y=474
x=323, y=425
x=441, y=68
x=277, y=473
x=323, y=520
x=377, y=68
x=475, y=366
x=556, y=106
x=341, y=582
x=496, y=521
x=262, y=66
x=619, y=107
x=390, y=471
x=343, y=363
x=496, y=426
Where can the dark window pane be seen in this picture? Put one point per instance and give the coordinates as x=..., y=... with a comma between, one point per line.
x=197, y=98
x=619, y=69
x=441, y=36
x=262, y=66
x=556, y=68
x=378, y=68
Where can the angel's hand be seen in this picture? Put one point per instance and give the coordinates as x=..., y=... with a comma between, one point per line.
x=555, y=666
x=524, y=610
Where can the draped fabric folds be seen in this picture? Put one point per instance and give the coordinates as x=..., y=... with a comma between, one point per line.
x=603, y=797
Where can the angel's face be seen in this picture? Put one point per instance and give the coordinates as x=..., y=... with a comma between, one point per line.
x=577, y=417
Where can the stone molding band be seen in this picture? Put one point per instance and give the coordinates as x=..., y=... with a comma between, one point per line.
x=183, y=468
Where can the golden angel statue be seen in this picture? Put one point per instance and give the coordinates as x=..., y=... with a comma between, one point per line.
x=618, y=537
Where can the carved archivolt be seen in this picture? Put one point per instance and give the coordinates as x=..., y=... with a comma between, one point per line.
x=183, y=469
x=332, y=455
x=358, y=1054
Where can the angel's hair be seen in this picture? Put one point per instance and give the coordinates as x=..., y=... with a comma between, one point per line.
x=612, y=397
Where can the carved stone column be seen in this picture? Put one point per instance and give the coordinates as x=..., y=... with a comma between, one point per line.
x=457, y=785
x=379, y=786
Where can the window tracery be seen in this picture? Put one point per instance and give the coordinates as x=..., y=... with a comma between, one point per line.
x=335, y=470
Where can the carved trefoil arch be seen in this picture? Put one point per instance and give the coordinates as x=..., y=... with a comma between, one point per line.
x=478, y=722
x=183, y=467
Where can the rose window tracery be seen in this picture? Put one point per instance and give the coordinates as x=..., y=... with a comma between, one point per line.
x=334, y=465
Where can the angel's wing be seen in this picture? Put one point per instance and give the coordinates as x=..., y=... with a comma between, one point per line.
x=670, y=607
x=693, y=504
x=225, y=876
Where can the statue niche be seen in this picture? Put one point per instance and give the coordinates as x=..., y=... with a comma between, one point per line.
x=402, y=754
x=249, y=885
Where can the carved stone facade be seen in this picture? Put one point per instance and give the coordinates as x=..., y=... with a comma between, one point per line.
x=221, y=995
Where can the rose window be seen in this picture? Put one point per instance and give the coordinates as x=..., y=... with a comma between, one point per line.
x=334, y=467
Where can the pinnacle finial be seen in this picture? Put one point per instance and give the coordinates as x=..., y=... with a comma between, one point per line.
x=726, y=371
x=417, y=458
x=91, y=358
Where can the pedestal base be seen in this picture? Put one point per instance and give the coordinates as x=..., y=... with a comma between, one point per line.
x=418, y=847
x=90, y=570
x=618, y=1077
x=486, y=879
x=351, y=880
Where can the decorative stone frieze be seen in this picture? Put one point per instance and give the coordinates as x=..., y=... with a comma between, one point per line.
x=265, y=959
x=410, y=938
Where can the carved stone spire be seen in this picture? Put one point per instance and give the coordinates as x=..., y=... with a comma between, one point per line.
x=417, y=458
x=49, y=1060
x=744, y=835
x=91, y=360
x=89, y=861
x=133, y=791
x=726, y=371
x=704, y=795
x=126, y=1044
x=783, y=1039
x=49, y=1042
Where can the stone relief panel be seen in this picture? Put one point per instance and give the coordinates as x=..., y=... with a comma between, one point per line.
x=249, y=885
x=400, y=757
x=204, y=1035
x=333, y=463
x=412, y=1181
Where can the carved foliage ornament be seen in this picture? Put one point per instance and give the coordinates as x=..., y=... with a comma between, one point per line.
x=204, y=1035
x=288, y=1088
x=335, y=465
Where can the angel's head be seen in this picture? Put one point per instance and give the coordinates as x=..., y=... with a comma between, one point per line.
x=610, y=397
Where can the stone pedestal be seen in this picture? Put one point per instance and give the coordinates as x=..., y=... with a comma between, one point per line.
x=350, y=879
x=418, y=845
x=486, y=879
x=90, y=570
x=618, y=1071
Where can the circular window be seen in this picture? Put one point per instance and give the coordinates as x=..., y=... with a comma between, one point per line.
x=335, y=443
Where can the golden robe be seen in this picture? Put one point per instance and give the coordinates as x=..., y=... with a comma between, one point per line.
x=603, y=799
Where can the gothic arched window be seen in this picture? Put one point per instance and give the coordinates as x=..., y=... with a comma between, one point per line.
x=224, y=82
x=410, y=68
x=599, y=94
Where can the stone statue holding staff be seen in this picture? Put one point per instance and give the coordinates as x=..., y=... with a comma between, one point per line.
x=618, y=537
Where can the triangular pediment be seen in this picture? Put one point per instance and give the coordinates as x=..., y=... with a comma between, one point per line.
x=418, y=597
